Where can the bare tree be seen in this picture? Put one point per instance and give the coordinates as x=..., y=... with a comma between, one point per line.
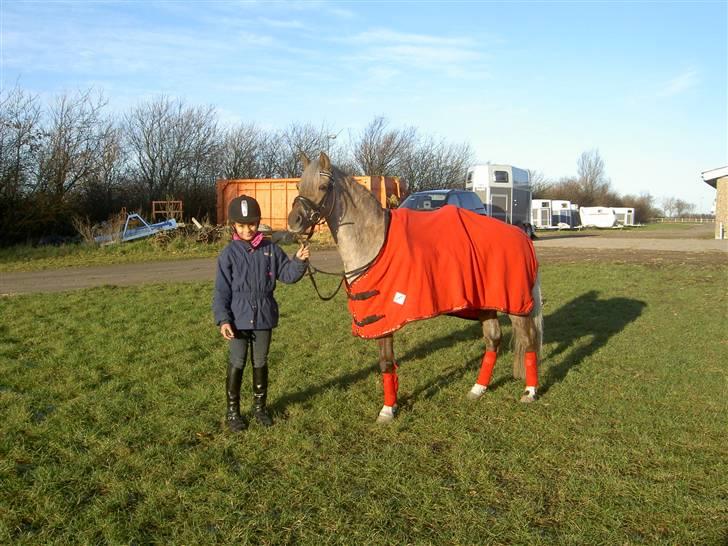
x=297, y=139
x=101, y=192
x=379, y=150
x=20, y=137
x=73, y=144
x=240, y=151
x=431, y=164
x=669, y=206
x=592, y=176
x=539, y=183
x=643, y=205
x=170, y=146
x=683, y=208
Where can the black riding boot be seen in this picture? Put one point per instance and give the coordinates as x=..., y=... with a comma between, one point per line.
x=260, y=393
x=234, y=377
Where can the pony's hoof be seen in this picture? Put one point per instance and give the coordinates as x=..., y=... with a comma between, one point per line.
x=386, y=415
x=528, y=397
x=477, y=392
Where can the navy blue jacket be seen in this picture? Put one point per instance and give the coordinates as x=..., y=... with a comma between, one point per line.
x=245, y=283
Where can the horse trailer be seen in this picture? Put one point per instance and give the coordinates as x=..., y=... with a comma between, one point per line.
x=575, y=216
x=561, y=213
x=541, y=213
x=505, y=191
x=625, y=215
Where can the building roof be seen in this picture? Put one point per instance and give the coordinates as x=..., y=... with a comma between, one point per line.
x=711, y=177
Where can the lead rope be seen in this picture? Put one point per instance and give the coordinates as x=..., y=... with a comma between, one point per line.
x=310, y=270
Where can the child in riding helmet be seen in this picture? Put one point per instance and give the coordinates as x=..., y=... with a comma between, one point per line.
x=243, y=303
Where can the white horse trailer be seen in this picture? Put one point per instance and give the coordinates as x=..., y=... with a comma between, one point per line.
x=505, y=191
x=561, y=213
x=625, y=216
x=601, y=217
x=541, y=213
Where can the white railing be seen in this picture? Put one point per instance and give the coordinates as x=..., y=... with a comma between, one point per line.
x=684, y=220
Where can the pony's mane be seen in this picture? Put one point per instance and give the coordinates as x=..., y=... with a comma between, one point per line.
x=361, y=192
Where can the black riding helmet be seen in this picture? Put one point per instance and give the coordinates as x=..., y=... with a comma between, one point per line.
x=244, y=210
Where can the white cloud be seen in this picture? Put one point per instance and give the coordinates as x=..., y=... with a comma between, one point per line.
x=680, y=84
x=386, y=47
x=280, y=23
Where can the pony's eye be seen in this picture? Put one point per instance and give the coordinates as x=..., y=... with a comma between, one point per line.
x=323, y=187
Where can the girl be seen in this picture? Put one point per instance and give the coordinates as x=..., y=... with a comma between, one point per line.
x=244, y=306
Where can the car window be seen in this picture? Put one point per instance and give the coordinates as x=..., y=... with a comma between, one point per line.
x=424, y=201
x=472, y=202
x=453, y=199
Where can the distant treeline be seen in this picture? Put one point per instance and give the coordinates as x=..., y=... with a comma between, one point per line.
x=71, y=158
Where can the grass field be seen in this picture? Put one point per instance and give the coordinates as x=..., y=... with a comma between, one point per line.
x=30, y=258
x=113, y=398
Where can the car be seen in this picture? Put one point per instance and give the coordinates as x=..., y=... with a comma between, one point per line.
x=434, y=199
x=466, y=199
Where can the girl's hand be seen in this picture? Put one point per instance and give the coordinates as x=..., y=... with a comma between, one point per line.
x=227, y=331
x=303, y=253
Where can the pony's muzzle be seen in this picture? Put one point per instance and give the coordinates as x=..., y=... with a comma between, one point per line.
x=296, y=222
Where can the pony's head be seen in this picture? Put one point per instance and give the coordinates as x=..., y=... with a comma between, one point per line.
x=315, y=198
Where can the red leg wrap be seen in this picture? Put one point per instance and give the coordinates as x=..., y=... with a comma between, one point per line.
x=391, y=386
x=531, y=369
x=486, y=368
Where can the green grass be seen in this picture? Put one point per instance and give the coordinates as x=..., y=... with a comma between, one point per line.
x=112, y=402
x=30, y=258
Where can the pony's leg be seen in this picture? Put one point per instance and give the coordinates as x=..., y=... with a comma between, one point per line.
x=390, y=381
x=527, y=339
x=492, y=336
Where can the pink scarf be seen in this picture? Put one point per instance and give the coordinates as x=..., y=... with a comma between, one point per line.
x=254, y=242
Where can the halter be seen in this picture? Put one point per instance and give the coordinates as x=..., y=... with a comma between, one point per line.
x=313, y=212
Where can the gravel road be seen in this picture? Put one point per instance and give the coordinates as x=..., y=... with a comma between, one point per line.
x=626, y=247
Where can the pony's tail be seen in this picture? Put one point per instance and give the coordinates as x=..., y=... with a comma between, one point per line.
x=534, y=327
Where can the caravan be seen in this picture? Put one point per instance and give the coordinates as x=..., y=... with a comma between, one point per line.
x=505, y=191
x=600, y=217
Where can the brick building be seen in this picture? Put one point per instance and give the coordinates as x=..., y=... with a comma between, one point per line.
x=718, y=178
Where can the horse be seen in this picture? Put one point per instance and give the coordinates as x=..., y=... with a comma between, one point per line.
x=363, y=232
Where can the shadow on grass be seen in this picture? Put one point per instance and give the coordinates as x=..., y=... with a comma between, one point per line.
x=341, y=382
x=586, y=316
x=472, y=331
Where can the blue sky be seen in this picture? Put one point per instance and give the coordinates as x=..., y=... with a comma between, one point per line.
x=533, y=84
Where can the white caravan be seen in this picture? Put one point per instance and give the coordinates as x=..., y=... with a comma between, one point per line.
x=625, y=216
x=601, y=217
x=541, y=213
x=505, y=191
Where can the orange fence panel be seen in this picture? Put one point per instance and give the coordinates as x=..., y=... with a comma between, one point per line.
x=275, y=195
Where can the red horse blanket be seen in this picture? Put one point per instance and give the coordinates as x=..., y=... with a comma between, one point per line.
x=450, y=261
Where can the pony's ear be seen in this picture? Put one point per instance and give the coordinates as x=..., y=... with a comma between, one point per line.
x=304, y=159
x=324, y=162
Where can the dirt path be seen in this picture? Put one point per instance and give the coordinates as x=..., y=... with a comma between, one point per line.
x=551, y=248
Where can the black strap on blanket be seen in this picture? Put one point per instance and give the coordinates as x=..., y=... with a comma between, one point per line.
x=363, y=295
x=368, y=320
x=311, y=270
